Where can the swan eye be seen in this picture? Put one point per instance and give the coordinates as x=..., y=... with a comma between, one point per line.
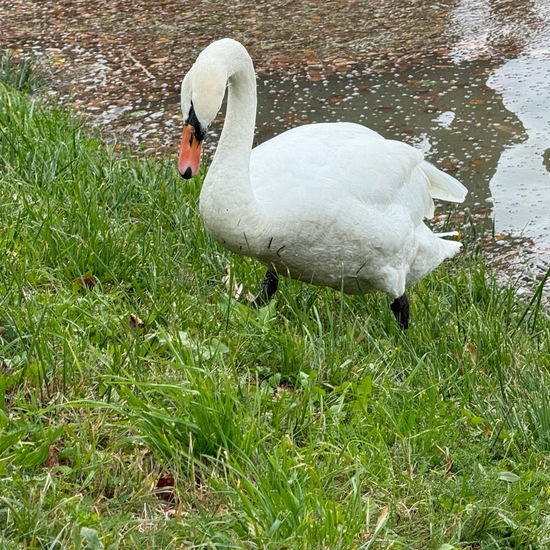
x=194, y=121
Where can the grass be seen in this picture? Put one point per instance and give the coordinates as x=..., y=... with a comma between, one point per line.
x=141, y=406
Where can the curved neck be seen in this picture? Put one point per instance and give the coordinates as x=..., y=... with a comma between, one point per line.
x=227, y=201
x=231, y=160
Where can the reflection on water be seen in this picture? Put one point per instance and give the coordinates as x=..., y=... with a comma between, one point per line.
x=521, y=185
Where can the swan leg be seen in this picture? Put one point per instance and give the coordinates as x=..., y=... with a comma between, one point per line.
x=268, y=287
x=400, y=308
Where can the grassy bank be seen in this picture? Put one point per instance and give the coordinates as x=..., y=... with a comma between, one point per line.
x=141, y=406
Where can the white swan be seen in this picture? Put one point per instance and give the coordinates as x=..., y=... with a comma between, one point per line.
x=331, y=204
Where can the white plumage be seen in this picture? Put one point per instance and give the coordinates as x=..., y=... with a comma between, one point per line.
x=330, y=204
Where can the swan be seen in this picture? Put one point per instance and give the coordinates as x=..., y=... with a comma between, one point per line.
x=331, y=204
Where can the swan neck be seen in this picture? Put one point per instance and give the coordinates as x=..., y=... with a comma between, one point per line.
x=228, y=205
x=235, y=144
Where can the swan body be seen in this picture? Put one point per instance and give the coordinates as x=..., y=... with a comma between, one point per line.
x=332, y=204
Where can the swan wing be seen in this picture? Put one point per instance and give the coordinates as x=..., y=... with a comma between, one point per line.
x=322, y=162
x=341, y=195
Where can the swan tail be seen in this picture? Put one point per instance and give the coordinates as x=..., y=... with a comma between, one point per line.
x=431, y=252
x=443, y=186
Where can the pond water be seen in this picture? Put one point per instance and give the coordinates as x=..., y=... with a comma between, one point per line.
x=521, y=185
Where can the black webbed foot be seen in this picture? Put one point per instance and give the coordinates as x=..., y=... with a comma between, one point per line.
x=268, y=287
x=401, y=309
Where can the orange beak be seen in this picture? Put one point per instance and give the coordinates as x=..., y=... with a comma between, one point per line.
x=190, y=153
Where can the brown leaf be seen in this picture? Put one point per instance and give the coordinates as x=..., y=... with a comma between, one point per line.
x=281, y=390
x=88, y=281
x=336, y=98
x=448, y=459
x=53, y=459
x=507, y=129
x=135, y=322
x=476, y=161
x=449, y=165
x=165, y=488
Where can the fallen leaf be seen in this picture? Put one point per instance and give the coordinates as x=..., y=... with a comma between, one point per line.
x=88, y=281
x=336, y=98
x=449, y=165
x=135, y=322
x=279, y=390
x=165, y=488
x=53, y=459
x=507, y=129
x=476, y=161
x=448, y=459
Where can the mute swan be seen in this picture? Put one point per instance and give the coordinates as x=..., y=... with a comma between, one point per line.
x=332, y=204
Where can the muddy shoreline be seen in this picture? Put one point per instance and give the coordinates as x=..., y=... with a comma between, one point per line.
x=117, y=56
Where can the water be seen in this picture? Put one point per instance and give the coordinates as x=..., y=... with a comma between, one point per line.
x=520, y=187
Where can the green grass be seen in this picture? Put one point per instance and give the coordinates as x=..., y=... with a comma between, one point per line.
x=311, y=423
x=17, y=73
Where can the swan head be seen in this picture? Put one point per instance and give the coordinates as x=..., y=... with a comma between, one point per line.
x=202, y=93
